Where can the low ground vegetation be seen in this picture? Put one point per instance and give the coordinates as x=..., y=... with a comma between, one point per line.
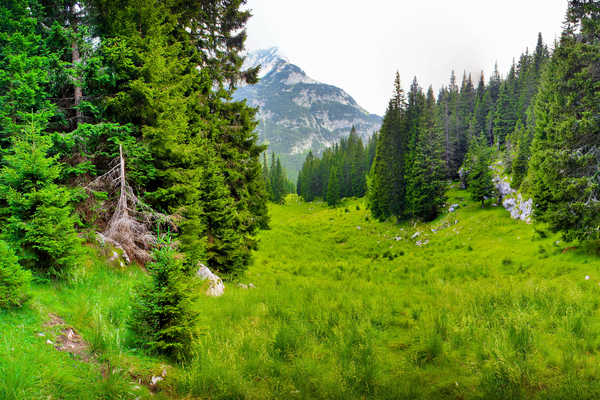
x=471, y=305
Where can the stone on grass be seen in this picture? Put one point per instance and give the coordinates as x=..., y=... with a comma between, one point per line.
x=215, y=284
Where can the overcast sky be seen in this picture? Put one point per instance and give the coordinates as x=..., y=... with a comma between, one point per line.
x=358, y=45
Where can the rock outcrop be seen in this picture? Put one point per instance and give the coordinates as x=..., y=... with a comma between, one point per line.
x=512, y=201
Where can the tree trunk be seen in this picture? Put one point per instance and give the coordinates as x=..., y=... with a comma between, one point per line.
x=78, y=94
x=75, y=61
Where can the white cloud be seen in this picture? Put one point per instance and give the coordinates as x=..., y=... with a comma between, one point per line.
x=358, y=45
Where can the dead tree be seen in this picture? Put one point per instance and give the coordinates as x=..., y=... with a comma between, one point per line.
x=131, y=226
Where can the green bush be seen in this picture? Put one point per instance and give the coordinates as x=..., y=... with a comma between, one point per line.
x=163, y=317
x=14, y=281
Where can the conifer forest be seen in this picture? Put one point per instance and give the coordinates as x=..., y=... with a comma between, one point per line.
x=158, y=240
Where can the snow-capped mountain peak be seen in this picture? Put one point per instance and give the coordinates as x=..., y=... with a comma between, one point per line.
x=297, y=113
x=268, y=59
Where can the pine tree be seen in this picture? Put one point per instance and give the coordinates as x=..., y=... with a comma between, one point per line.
x=224, y=243
x=25, y=63
x=14, y=281
x=520, y=164
x=266, y=175
x=333, y=187
x=504, y=117
x=477, y=165
x=449, y=101
x=465, y=108
x=184, y=112
x=163, y=316
x=563, y=172
x=279, y=183
x=426, y=186
x=386, y=181
x=36, y=215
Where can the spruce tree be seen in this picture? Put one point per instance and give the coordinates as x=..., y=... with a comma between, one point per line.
x=386, y=181
x=504, y=117
x=163, y=314
x=563, y=172
x=36, y=215
x=426, y=186
x=184, y=112
x=333, y=187
x=520, y=164
x=477, y=165
x=465, y=108
x=225, y=250
x=25, y=63
x=14, y=281
x=279, y=183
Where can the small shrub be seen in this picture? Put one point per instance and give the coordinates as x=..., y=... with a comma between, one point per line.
x=14, y=281
x=430, y=349
x=357, y=207
x=287, y=342
x=506, y=261
x=389, y=255
x=346, y=210
x=540, y=234
x=341, y=238
x=163, y=317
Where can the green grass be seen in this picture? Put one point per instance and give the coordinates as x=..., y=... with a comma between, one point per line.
x=487, y=309
x=95, y=302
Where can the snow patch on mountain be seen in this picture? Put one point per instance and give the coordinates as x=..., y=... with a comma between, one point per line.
x=268, y=59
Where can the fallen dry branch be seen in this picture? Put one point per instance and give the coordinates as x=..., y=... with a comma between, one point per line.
x=132, y=223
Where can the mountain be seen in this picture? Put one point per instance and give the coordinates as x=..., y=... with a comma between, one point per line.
x=297, y=113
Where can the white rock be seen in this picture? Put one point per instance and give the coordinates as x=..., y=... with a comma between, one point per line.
x=415, y=235
x=251, y=286
x=215, y=284
x=155, y=379
x=512, y=201
x=453, y=207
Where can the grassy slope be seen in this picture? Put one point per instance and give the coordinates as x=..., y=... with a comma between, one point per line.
x=95, y=303
x=486, y=309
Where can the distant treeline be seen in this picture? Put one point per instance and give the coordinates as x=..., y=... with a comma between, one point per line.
x=276, y=181
x=340, y=172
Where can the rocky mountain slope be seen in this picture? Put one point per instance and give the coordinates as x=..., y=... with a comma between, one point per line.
x=298, y=113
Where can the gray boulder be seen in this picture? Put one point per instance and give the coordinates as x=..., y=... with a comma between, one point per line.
x=215, y=284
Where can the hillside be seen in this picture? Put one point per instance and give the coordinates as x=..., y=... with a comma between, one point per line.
x=297, y=113
x=477, y=305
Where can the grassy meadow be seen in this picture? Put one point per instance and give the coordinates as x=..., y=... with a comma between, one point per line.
x=344, y=307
